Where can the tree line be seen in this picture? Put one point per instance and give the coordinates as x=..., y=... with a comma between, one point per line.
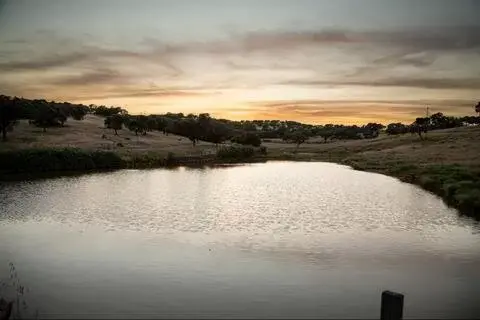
x=203, y=127
x=436, y=121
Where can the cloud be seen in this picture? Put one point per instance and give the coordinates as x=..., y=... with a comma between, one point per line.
x=409, y=41
x=415, y=60
x=44, y=63
x=243, y=62
x=423, y=83
x=82, y=56
x=416, y=40
x=89, y=78
x=138, y=92
x=312, y=103
x=358, y=111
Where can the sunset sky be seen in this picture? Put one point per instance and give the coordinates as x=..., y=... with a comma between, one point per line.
x=311, y=61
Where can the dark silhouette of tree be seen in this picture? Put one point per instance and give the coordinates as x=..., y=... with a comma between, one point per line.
x=61, y=116
x=134, y=125
x=162, y=123
x=421, y=125
x=108, y=111
x=372, y=130
x=468, y=120
x=114, y=122
x=151, y=123
x=189, y=128
x=78, y=113
x=298, y=137
x=477, y=108
x=47, y=116
x=396, y=128
x=8, y=115
x=325, y=133
x=248, y=138
x=218, y=132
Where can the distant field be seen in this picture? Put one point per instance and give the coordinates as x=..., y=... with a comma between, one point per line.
x=457, y=145
x=87, y=134
x=451, y=146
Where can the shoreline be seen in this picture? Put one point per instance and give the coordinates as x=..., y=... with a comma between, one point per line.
x=445, y=181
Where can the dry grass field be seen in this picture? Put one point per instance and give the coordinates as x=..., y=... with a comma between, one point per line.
x=87, y=134
x=452, y=146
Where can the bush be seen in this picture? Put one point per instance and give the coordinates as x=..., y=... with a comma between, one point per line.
x=148, y=160
x=248, y=138
x=66, y=159
x=170, y=158
x=458, y=185
x=233, y=152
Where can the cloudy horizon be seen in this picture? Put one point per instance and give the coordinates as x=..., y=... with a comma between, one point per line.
x=309, y=61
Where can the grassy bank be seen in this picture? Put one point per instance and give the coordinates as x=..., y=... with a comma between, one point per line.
x=33, y=161
x=445, y=163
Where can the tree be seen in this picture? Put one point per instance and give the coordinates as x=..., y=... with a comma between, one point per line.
x=161, y=123
x=396, y=128
x=151, y=123
x=217, y=132
x=372, y=130
x=78, y=113
x=298, y=137
x=477, y=108
x=114, y=122
x=421, y=125
x=137, y=124
x=248, y=138
x=108, y=111
x=47, y=116
x=61, y=117
x=8, y=115
x=189, y=128
x=438, y=121
x=133, y=125
x=325, y=133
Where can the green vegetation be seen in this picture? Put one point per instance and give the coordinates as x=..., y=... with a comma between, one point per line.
x=235, y=153
x=247, y=138
x=458, y=185
x=61, y=159
x=298, y=137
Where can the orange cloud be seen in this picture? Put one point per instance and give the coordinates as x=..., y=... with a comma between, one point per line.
x=354, y=112
x=238, y=67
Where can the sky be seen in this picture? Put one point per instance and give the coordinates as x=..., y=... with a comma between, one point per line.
x=314, y=61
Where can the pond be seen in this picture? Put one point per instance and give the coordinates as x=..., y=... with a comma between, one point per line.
x=276, y=239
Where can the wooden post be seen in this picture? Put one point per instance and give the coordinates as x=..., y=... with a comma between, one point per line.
x=392, y=306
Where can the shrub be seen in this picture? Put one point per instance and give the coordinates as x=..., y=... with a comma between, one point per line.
x=61, y=159
x=170, y=158
x=234, y=152
x=248, y=138
x=458, y=185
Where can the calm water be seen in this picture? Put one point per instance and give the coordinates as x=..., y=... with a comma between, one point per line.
x=263, y=240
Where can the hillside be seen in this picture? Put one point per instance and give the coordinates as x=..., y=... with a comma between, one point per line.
x=449, y=146
x=87, y=134
x=445, y=162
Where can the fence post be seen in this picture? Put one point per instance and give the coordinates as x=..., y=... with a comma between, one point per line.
x=392, y=306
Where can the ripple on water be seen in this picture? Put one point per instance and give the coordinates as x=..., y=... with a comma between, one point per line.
x=273, y=198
